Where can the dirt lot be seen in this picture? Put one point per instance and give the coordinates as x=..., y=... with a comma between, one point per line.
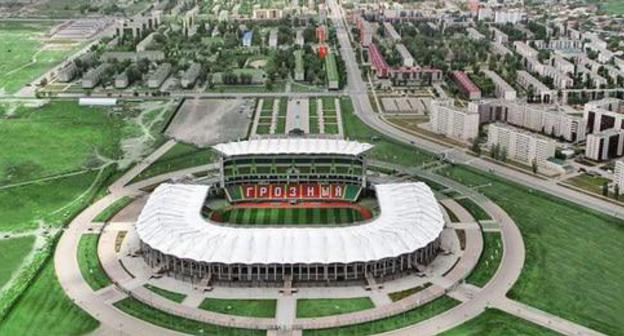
x=205, y=122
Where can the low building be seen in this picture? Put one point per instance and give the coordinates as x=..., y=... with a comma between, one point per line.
x=520, y=145
x=120, y=56
x=267, y=14
x=121, y=81
x=145, y=43
x=406, y=57
x=93, y=77
x=605, y=145
x=562, y=64
x=273, y=38
x=366, y=32
x=189, y=77
x=466, y=85
x=534, y=86
x=454, y=122
x=156, y=79
x=299, y=66
x=525, y=50
x=501, y=88
x=247, y=38
x=513, y=16
x=499, y=49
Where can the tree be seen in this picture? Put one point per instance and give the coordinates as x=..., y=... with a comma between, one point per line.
x=476, y=146
x=605, y=189
x=534, y=166
x=616, y=191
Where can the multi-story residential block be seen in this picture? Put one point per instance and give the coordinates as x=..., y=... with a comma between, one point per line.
x=466, y=85
x=501, y=88
x=366, y=32
x=521, y=145
x=605, y=145
x=453, y=122
x=93, y=77
x=604, y=114
x=390, y=32
x=508, y=16
x=530, y=83
x=67, y=72
x=273, y=38
x=546, y=119
x=525, y=50
x=474, y=34
x=121, y=81
x=562, y=64
x=499, y=49
x=619, y=174
x=499, y=36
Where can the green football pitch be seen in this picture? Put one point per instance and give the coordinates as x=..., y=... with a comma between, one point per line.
x=291, y=216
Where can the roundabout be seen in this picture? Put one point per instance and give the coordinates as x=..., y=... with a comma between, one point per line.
x=132, y=278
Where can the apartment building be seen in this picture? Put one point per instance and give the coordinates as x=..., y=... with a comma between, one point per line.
x=454, y=122
x=520, y=145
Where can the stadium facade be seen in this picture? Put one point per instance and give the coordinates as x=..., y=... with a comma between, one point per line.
x=176, y=237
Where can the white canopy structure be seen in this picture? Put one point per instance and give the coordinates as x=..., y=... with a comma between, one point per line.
x=292, y=146
x=172, y=224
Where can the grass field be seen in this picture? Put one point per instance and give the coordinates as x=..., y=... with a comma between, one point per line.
x=12, y=253
x=494, y=322
x=593, y=184
x=294, y=216
x=613, y=6
x=173, y=296
x=44, y=203
x=395, y=322
x=113, y=209
x=44, y=309
x=474, y=209
x=396, y=296
x=24, y=55
x=43, y=140
x=573, y=253
x=386, y=149
x=489, y=260
x=240, y=307
x=181, y=156
x=327, y=307
x=160, y=318
x=89, y=263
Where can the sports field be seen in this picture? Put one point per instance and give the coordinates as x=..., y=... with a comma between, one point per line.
x=291, y=216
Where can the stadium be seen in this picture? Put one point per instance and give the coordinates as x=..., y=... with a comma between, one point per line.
x=300, y=210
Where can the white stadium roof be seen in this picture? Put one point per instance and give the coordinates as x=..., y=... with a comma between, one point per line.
x=171, y=222
x=293, y=146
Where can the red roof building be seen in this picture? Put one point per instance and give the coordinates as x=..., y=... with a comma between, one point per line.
x=383, y=70
x=466, y=85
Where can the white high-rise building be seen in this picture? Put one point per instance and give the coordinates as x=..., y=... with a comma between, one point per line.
x=619, y=174
x=520, y=145
x=453, y=122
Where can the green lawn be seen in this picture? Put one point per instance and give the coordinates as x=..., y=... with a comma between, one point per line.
x=241, y=307
x=181, y=156
x=593, y=184
x=291, y=216
x=329, y=103
x=89, y=263
x=113, y=209
x=331, y=128
x=160, y=318
x=25, y=55
x=474, y=209
x=12, y=253
x=385, y=149
x=414, y=316
x=44, y=309
x=489, y=260
x=614, y=6
x=173, y=296
x=494, y=322
x=56, y=138
x=574, y=266
x=327, y=307
x=263, y=128
x=51, y=203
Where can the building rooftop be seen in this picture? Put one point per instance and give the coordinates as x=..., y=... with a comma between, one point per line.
x=292, y=146
x=171, y=222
